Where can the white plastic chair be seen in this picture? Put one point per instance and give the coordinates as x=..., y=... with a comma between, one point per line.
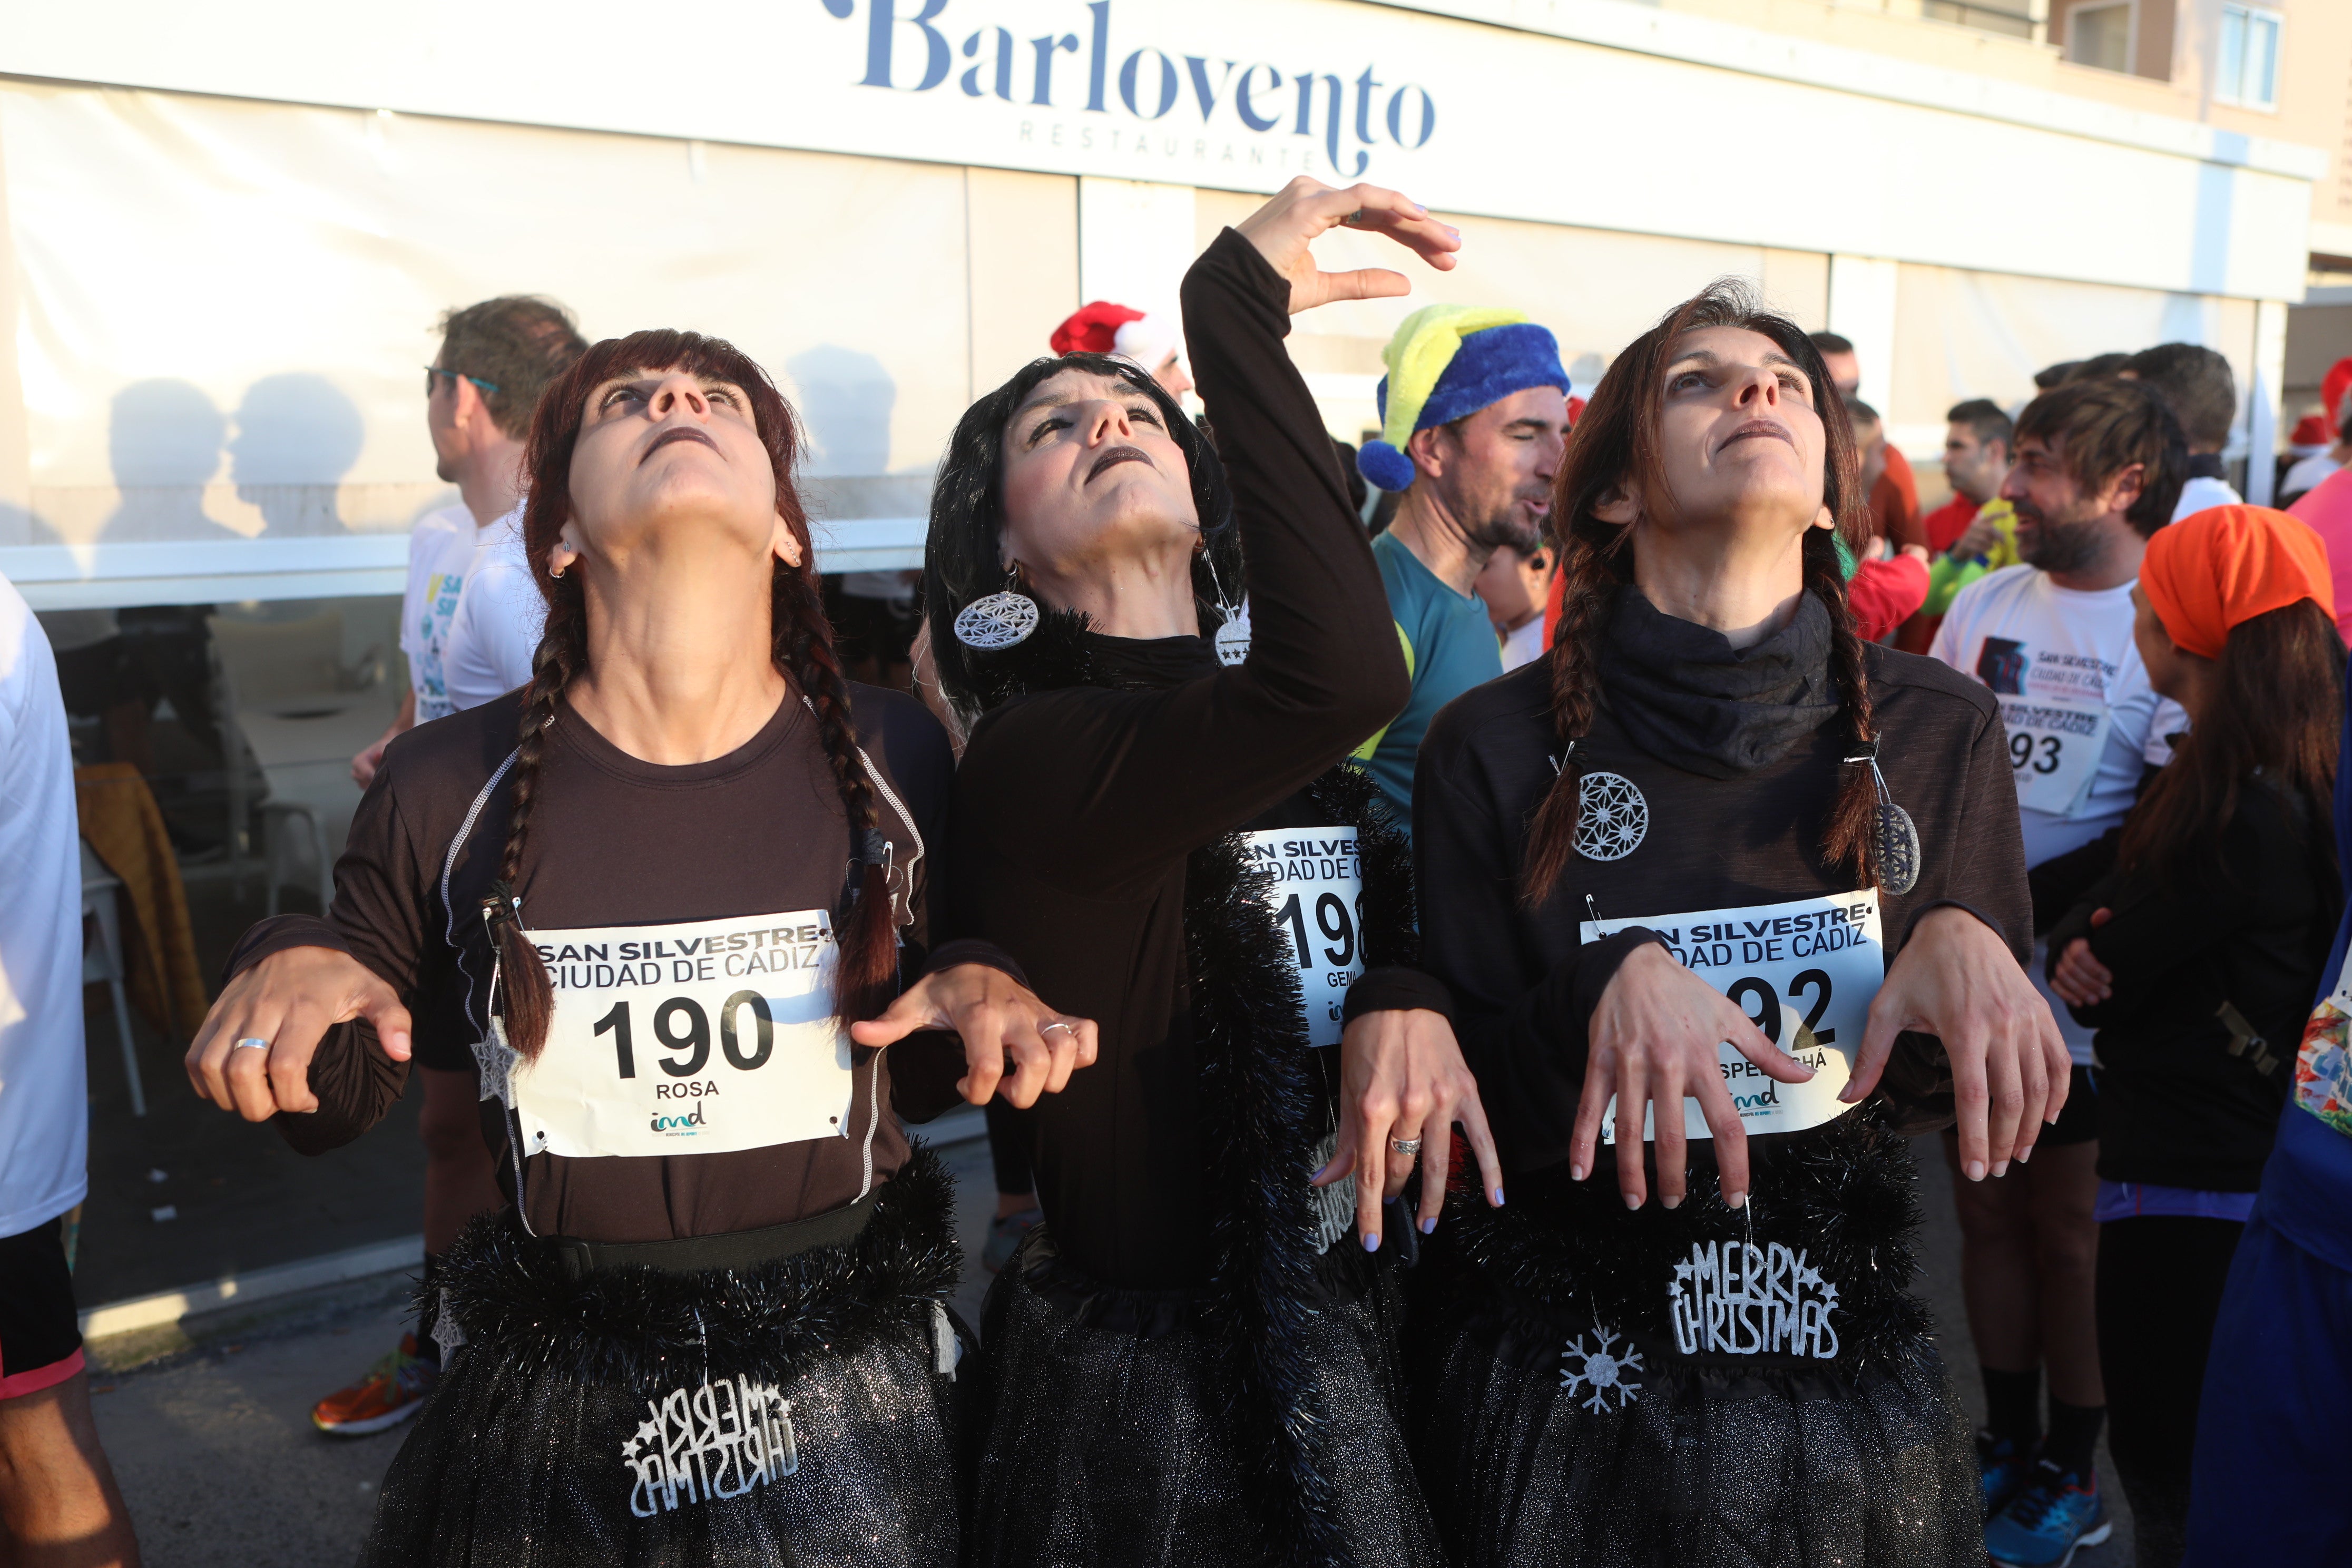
x=103, y=959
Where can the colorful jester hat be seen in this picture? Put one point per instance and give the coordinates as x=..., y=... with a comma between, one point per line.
x=1447, y=360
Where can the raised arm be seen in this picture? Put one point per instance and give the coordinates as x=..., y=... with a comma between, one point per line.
x=1324, y=669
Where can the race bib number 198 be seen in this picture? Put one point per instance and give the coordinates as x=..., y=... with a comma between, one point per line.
x=1806, y=971
x=700, y=1038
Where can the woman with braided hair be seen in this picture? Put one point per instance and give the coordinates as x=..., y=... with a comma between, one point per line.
x=671, y=890
x=1704, y=882
x=1193, y=1359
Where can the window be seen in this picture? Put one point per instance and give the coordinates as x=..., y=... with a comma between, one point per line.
x=2248, y=73
x=2100, y=35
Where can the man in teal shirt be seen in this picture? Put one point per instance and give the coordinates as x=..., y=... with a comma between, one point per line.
x=1474, y=419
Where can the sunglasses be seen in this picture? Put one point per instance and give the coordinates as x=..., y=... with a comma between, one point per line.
x=433, y=370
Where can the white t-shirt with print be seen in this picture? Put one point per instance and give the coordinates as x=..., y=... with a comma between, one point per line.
x=440, y=550
x=499, y=619
x=2056, y=658
x=44, y=1094
x=1524, y=646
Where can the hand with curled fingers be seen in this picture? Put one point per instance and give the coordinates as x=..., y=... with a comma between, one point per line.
x=1654, y=1038
x=2079, y=978
x=1402, y=1082
x=253, y=1054
x=997, y=1017
x=1957, y=980
x=1306, y=208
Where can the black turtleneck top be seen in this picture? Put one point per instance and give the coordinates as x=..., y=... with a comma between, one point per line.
x=1076, y=807
x=1736, y=755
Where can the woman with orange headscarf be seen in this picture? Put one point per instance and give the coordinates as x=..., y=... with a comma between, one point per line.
x=2196, y=958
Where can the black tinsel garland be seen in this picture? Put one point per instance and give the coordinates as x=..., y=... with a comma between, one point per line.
x=637, y=1327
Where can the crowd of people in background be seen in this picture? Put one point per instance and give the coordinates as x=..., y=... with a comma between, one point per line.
x=1629, y=795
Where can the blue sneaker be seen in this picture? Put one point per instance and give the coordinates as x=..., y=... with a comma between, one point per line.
x=2002, y=1469
x=2056, y=1512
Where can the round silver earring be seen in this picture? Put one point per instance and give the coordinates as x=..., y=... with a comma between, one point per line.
x=998, y=620
x=556, y=573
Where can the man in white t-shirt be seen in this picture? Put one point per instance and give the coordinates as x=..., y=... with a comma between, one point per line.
x=2099, y=464
x=468, y=624
x=56, y=1487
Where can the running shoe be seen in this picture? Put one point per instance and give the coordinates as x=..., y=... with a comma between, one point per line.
x=2002, y=1469
x=1004, y=1234
x=392, y=1391
x=2043, y=1525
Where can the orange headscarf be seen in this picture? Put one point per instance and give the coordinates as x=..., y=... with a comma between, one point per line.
x=2216, y=568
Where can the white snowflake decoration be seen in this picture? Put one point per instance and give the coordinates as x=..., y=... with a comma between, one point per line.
x=1601, y=1370
x=1612, y=816
x=997, y=620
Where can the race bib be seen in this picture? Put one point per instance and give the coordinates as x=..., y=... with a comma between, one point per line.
x=1805, y=970
x=2054, y=746
x=701, y=1038
x=1318, y=895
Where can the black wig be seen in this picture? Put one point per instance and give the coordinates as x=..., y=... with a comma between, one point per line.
x=962, y=560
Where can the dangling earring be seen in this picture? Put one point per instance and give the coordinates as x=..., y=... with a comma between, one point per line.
x=1897, y=836
x=1232, y=637
x=999, y=620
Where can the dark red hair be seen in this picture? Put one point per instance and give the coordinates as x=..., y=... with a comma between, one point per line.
x=800, y=636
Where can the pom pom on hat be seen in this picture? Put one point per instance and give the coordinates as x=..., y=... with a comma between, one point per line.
x=1447, y=360
x=1103, y=327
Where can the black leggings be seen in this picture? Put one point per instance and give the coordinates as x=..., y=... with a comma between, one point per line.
x=2160, y=1279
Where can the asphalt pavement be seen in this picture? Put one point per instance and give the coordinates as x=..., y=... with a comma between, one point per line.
x=216, y=1455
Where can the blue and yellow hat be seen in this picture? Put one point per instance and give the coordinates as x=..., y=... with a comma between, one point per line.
x=1447, y=360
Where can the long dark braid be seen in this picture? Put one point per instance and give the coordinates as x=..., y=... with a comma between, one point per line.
x=801, y=638
x=1615, y=448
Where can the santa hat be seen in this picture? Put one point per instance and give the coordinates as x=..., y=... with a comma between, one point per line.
x=1447, y=360
x=2311, y=435
x=1103, y=327
x=2331, y=391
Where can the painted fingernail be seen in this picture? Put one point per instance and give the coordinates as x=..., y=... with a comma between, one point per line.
x=2001, y=1167
x=1633, y=1200
x=1976, y=1170
x=1499, y=1197
x=1429, y=1225
x=1849, y=1094
x=2025, y=1153
x=1371, y=1241
x=1672, y=1202
x=1575, y=1173
x=1735, y=1200
x=1318, y=1175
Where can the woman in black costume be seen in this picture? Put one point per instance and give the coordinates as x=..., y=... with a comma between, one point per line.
x=1193, y=1359
x=653, y=885
x=1693, y=878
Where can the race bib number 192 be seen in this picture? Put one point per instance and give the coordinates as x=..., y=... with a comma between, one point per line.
x=701, y=1038
x=1806, y=971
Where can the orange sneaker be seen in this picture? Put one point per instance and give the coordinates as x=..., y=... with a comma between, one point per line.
x=392, y=1391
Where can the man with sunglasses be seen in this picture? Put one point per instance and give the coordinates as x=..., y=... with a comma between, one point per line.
x=469, y=623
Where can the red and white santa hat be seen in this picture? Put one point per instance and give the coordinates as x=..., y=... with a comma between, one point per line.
x=1103, y=327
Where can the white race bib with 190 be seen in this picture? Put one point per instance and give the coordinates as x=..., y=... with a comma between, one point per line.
x=2054, y=746
x=1318, y=897
x=1805, y=970
x=702, y=1037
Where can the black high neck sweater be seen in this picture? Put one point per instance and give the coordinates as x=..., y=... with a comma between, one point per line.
x=1079, y=806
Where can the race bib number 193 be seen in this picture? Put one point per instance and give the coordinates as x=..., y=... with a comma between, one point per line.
x=1806, y=971
x=701, y=1038
x=2054, y=746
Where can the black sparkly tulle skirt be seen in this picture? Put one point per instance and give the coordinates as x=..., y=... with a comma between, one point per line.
x=796, y=1413
x=1105, y=1428
x=1694, y=1388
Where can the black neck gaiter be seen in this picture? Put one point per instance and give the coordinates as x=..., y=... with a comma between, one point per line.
x=1688, y=697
